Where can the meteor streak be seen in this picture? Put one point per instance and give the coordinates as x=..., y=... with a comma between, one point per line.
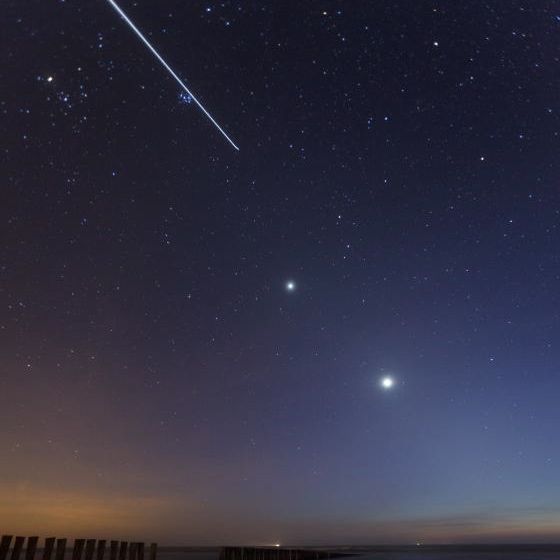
x=170, y=70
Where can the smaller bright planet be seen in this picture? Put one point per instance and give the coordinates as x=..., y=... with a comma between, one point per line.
x=387, y=382
x=290, y=286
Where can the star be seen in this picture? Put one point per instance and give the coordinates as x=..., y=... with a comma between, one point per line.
x=290, y=286
x=387, y=382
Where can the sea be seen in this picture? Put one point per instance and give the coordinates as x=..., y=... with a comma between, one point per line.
x=473, y=552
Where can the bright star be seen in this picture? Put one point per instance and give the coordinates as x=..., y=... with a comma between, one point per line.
x=387, y=382
x=290, y=286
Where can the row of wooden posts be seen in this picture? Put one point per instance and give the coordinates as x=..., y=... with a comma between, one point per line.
x=275, y=553
x=84, y=549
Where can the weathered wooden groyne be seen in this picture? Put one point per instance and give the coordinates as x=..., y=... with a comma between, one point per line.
x=26, y=548
x=277, y=553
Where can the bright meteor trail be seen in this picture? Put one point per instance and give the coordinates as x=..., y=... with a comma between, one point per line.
x=170, y=70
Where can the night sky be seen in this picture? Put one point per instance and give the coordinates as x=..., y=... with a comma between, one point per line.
x=193, y=339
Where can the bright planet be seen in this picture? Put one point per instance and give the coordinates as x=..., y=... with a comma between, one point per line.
x=387, y=382
x=290, y=286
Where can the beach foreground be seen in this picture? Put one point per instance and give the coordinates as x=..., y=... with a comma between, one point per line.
x=471, y=552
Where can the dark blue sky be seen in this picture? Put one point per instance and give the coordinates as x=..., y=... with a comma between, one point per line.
x=398, y=163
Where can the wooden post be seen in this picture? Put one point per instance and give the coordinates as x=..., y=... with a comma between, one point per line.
x=139, y=551
x=31, y=548
x=90, y=549
x=18, y=545
x=114, y=550
x=153, y=551
x=123, y=550
x=49, y=546
x=101, y=549
x=78, y=549
x=60, y=549
x=5, y=546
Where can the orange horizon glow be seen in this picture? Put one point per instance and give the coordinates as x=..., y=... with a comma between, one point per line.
x=28, y=510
